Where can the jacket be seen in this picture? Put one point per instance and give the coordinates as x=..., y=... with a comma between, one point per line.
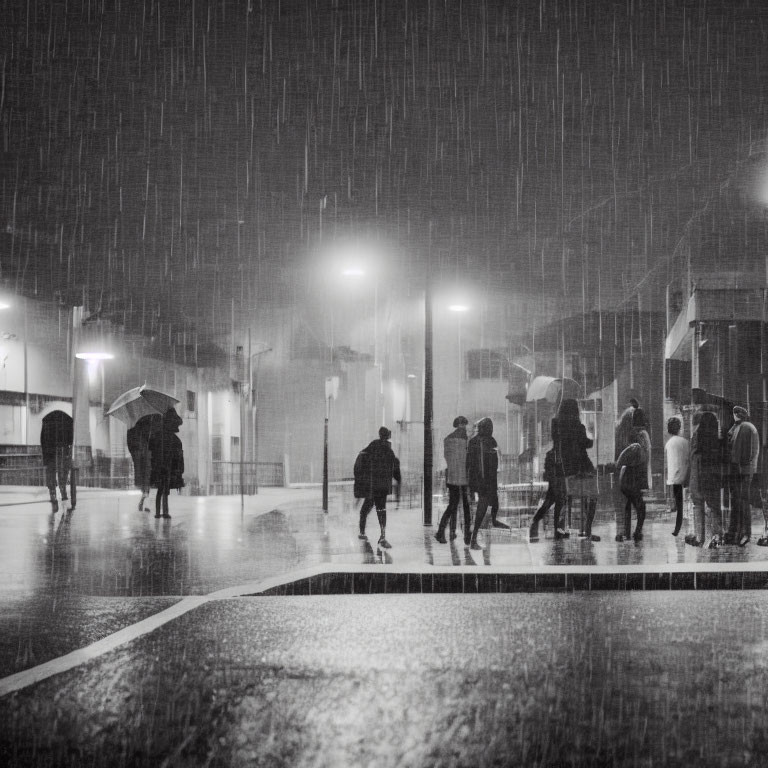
x=483, y=460
x=455, y=452
x=167, y=459
x=570, y=443
x=634, y=460
x=677, y=454
x=375, y=468
x=57, y=432
x=708, y=462
x=744, y=447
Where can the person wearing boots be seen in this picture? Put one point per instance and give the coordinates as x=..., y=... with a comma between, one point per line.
x=375, y=468
x=482, y=467
x=167, y=462
x=744, y=451
x=455, y=452
x=56, y=438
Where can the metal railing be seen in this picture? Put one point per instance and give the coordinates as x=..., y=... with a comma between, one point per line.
x=225, y=476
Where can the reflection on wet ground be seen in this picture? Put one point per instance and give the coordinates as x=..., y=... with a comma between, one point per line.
x=598, y=679
x=69, y=578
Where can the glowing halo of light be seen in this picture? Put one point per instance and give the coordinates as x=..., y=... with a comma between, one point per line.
x=458, y=307
x=95, y=356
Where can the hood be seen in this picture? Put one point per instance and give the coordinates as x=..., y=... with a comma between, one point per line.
x=58, y=420
x=485, y=427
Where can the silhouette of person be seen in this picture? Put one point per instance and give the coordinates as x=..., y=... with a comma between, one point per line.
x=455, y=452
x=56, y=438
x=167, y=460
x=375, y=468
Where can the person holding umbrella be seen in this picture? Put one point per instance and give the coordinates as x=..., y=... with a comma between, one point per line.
x=167, y=460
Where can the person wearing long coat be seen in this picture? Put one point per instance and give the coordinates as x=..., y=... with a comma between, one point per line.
x=482, y=470
x=455, y=452
x=138, y=437
x=375, y=468
x=56, y=437
x=708, y=463
x=167, y=460
x=744, y=451
x=570, y=441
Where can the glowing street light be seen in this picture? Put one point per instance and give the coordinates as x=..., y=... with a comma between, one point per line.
x=95, y=356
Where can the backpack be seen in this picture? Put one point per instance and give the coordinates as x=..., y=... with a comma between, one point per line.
x=550, y=462
x=362, y=474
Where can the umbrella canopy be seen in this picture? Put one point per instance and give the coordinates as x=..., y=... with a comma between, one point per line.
x=140, y=401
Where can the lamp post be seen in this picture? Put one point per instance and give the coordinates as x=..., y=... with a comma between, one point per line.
x=428, y=401
x=331, y=392
x=80, y=426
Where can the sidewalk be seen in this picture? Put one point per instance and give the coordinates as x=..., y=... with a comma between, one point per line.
x=71, y=579
x=107, y=547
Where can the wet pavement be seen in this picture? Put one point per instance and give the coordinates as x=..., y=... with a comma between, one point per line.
x=129, y=636
x=598, y=679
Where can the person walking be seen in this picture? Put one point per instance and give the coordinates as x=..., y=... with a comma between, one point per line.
x=138, y=437
x=570, y=441
x=482, y=469
x=455, y=452
x=167, y=460
x=632, y=469
x=677, y=455
x=555, y=495
x=707, y=463
x=375, y=468
x=744, y=451
x=56, y=437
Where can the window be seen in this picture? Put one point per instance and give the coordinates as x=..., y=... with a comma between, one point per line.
x=487, y=364
x=191, y=401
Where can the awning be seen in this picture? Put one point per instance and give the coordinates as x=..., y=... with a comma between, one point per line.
x=552, y=389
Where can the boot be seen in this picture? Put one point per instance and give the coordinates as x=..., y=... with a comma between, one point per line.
x=533, y=533
x=384, y=544
x=63, y=493
x=54, y=501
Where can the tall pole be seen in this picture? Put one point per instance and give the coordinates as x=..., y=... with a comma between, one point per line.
x=325, y=452
x=428, y=396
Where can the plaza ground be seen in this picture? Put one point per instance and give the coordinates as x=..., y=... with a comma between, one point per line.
x=134, y=641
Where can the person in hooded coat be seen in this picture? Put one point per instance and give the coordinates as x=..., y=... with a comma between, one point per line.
x=375, y=468
x=167, y=460
x=138, y=437
x=56, y=437
x=482, y=468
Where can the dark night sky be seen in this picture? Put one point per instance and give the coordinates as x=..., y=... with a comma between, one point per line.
x=557, y=147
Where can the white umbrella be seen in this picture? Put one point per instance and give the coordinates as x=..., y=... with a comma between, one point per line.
x=140, y=401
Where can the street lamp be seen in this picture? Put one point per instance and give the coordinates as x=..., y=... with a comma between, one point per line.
x=429, y=397
x=92, y=357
